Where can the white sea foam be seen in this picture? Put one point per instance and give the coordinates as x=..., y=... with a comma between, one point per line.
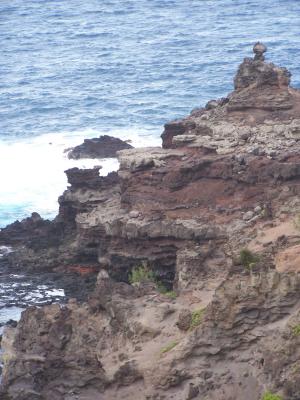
x=56, y=292
x=32, y=170
x=10, y=313
x=5, y=250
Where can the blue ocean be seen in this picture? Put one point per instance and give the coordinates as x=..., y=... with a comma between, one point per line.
x=73, y=69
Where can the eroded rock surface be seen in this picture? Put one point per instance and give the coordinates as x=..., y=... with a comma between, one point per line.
x=214, y=214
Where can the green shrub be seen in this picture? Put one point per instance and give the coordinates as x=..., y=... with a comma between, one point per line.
x=248, y=259
x=141, y=274
x=296, y=330
x=144, y=274
x=271, y=396
x=169, y=347
x=171, y=294
x=197, y=317
x=162, y=289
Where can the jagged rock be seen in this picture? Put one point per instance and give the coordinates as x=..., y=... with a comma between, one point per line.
x=260, y=85
x=257, y=73
x=216, y=103
x=192, y=392
x=280, y=359
x=248, y=215
x=102, y=147
x=259, y=49
x=184, y=320
x=33, y=231
x=89, y=178
x=176, y=128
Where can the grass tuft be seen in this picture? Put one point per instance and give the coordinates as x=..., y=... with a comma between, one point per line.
x=144, y=274
x=171, y=294
x=296, y=330
x=248, y=259
x=141, y=274
x=169, y=347
x=271, y=396
x=197, y=317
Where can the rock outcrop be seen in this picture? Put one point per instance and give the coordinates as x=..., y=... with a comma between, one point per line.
x=102, y=147
x=210, y=225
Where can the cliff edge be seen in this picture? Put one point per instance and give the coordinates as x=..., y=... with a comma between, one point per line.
x=196, y=247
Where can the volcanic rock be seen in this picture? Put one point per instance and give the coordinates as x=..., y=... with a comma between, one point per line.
x=259, y=49
x=210, y=225
x=102, y=147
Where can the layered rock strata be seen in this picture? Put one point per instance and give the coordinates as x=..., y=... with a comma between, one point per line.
x=214, y=214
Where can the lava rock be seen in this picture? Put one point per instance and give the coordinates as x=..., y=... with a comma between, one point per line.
x=102, y=147
x=184, y=320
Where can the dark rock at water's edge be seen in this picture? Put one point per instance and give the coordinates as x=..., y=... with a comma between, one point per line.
x=33, y=232
x=41, y=252
x=206, y=230
x=90, y=178
x=102, y=147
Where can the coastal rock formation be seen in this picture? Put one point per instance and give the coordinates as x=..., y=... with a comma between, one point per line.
x=102, y=147
x=197, y=294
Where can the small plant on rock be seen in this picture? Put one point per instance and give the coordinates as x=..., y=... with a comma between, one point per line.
x=171, y=294
x=141, y=274
x=271, y=396
x=296, y=330
x=163, y=290
x=161, y=287
x=169, y=347
x=197, y=317
x=248, y=259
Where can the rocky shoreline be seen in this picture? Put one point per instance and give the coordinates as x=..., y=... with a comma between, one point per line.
x=186, y=262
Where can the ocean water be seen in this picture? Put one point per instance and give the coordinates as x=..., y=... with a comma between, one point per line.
x=72, y=69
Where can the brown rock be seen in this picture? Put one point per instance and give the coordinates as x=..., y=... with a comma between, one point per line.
x=288, y=260
x=184, y=320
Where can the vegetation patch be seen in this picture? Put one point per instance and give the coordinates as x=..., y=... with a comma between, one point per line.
x=248, y=259
x=144, y=274
x=163, y=290
x=169, y=347
x=5, y=358
x=197, y=317
x=141, y=274
x=296, y=330
x=171, y=294
x=271, y=396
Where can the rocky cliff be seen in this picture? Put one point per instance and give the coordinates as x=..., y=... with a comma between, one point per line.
x=207, y=231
